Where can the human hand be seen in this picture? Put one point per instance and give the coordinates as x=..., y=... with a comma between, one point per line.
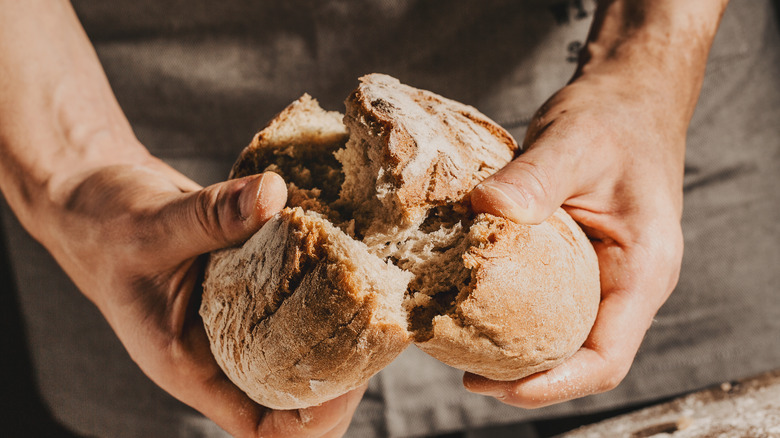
x=130, y=237
x=600, y=154
x=609, y=148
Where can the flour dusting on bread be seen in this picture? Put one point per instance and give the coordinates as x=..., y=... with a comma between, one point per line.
x=378, y=247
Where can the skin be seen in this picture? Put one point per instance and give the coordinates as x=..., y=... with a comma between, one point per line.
x=129, y=230
x=609, y=148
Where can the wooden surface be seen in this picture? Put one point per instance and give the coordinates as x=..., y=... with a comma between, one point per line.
x=747, y=408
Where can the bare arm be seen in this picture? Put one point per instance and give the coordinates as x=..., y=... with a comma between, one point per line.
x=609, y=147
x=124, y=226
x=56, y=97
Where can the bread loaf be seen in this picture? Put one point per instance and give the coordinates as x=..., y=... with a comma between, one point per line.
x=378, y=248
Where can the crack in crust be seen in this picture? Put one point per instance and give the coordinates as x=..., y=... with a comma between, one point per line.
x=407, y=258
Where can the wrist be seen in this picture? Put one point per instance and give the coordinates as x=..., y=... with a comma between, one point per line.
x=50, y=149
x=58, y=118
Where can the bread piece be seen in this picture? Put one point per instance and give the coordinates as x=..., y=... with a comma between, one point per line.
x=530, y=304
x=299, y=145
x=393, y=253
x=301, y=313
x=411, y=150
x=489, y=296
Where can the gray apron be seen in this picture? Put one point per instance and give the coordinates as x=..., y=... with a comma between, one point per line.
x=197, y=81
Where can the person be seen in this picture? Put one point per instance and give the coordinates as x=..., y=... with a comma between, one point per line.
x=102, y=187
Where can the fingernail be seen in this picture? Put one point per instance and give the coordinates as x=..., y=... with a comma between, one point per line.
x=490, y=391
x=481, y=385
x=506, y=200
x=247, y=199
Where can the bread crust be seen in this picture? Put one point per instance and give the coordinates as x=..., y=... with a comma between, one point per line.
x=301, y=132
x=433, y=150
x=531, y=302
x=305, y=311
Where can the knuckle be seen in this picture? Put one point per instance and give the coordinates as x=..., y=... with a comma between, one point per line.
x=612, y=377
x=533, y=179
x=665, y=246
x=207, y=212
x=300, y=423
x=615, y=369
x=671, y=246
x=611, y=380
x=515, y=396
x=144, y=230
x=656, y=241
x=672, y=257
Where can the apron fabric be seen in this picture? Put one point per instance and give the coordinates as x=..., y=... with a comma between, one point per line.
x=197, y=79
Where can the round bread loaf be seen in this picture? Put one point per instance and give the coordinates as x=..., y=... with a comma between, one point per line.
x=378, y=248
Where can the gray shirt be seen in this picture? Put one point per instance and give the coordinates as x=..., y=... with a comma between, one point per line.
x=197, y=79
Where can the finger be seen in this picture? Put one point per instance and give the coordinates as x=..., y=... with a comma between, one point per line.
x=220, y=215
x=187, y=369
x=635, y=280
x=226, y=405
x=600, y=365
x=341, y=428
x=190, y=373
x=530, y=188
x=232, y=410
x=330, y=419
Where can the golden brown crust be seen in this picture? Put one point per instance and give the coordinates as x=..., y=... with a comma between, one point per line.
x=298, y=144
x=296, y=269
x=531, y=303
x=434, y=150
x=490, y=296
x=303, y=131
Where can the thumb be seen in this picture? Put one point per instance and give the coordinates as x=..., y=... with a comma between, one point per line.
x=224, y=214
x=529, y=189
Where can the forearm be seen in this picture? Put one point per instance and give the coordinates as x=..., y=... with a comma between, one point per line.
x=656, y=49
x=58, y=115
x=646, y=57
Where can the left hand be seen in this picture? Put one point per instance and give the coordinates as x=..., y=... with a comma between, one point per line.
x=598, y=152
x=609, y=148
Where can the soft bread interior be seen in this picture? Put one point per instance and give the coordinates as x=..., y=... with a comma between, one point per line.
x=299, y=145
x=429, y=250
x=362, y=191
x=386, y=283
x=433, y=253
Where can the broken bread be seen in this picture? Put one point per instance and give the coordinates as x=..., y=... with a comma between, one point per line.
x=378, y=248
